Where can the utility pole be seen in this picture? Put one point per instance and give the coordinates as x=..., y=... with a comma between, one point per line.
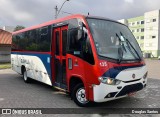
x=56, y=11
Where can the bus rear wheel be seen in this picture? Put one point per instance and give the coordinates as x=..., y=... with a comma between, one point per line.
x=25, y=77
x=79, y=96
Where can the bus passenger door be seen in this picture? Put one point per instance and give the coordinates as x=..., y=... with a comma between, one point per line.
x=59, y=62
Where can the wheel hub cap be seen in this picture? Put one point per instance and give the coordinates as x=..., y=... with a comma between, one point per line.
x=25, y=75
x=81, y=96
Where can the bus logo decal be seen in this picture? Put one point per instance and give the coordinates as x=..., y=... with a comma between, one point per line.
x=133, y=76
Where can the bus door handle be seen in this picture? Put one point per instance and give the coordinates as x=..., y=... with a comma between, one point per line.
x=57, y=57
x=63, y=57
x=70, y=64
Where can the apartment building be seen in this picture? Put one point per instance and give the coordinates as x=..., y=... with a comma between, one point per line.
x=146, y=30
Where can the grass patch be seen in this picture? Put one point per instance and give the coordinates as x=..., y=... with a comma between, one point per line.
x=5, y=65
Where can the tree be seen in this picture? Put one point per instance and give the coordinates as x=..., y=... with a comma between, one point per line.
x=19, y=27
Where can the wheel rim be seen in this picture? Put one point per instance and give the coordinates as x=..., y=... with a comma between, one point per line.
x=81, y=96
x=25, y=75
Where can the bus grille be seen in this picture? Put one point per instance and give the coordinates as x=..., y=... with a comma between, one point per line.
x=131, y=80
x=130, y=88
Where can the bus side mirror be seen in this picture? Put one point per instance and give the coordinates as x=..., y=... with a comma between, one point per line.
x=82, y=31
x=81, y=24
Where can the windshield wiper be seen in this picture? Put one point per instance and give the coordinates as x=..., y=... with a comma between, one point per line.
x=139, y=58
x=128, y=42
x=120, y=51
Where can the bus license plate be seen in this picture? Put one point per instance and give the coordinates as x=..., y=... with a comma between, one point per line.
x=132, y=93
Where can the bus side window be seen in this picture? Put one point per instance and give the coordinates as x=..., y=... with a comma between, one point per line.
x=79, y=46
x=87, y=52
x=74, y=42
x=64, y=41
x=44, y=39
x=57, y=42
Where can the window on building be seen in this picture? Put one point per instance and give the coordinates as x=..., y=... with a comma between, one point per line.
x=154, y=20
x=154, y=44
x=142, y=22
x=132, y=31
x=137, y=30
x=155, y=28
x=148, y=37
x=149, y=28
x=148, y=21
x=148, y=44
x=142, y=29
x=133, y=23
x=142, y=37
x=153, y=37
x=137, y=22
x=141, y=45
x=137, y=37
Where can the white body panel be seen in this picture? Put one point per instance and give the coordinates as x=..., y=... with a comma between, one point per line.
x=34, y=66
x=126, y=75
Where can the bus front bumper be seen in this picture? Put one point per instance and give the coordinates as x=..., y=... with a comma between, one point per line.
x=104, y=92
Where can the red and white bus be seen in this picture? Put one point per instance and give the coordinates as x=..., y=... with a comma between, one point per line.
x=94, y=59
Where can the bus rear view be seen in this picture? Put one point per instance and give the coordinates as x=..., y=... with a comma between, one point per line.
x=93, y=59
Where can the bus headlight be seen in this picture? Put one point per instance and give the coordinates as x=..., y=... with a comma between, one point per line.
x=109, y=81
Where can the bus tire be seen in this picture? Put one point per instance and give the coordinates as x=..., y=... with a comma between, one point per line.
x=25, y=77
x=79, y=96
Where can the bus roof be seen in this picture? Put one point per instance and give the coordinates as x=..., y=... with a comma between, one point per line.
x=60, y=20
x=50, y=23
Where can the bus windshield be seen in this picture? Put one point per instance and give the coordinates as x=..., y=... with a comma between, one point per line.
x=114, y=40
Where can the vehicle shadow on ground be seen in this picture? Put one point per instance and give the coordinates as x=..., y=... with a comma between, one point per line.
x=114, y=103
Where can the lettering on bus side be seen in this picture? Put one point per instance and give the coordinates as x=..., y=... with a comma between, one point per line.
x=103, y=64
x=24, y=61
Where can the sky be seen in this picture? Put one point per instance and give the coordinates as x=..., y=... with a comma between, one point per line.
x=33, y=12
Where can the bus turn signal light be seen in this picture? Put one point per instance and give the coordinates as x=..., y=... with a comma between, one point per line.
x=145, y=75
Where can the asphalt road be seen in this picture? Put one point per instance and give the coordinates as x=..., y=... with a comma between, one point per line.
x=14, y=93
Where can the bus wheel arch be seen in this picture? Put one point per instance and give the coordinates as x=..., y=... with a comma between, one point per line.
x=24, y=73
x=78, y=92
x=74, y=81
x=22, y=69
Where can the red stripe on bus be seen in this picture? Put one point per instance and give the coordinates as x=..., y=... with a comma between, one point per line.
x=33, y=52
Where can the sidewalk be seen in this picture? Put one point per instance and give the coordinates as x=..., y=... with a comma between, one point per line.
x=153, y=67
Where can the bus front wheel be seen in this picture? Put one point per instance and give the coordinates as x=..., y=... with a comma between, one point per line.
x=79, y=96
x=25, y=77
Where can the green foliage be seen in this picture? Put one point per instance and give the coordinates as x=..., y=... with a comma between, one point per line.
x=19, y=27
x=32, y=47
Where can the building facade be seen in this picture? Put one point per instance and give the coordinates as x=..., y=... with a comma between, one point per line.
x=8, y=28
x=146, y=30
x=5, y=46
